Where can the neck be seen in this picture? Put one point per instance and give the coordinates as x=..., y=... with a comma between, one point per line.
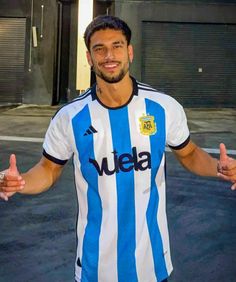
x=114, y=94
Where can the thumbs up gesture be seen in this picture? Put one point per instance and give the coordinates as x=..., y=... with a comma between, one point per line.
x=226, y=167
x=10, y=180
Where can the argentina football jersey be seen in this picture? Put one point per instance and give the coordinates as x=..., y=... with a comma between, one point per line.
x=119, y=167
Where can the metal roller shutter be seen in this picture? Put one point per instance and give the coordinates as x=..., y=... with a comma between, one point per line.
x=195, y=63
x=12, y=59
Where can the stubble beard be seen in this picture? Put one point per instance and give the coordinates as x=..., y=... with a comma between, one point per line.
x=112, y=79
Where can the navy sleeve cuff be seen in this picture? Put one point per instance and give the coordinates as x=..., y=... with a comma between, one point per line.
x=55, y=160
x=181, y=146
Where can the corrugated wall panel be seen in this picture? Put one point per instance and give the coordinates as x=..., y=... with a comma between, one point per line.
x=12, y=59
x=195, y=63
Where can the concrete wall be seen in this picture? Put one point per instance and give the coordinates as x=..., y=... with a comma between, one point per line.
x=134, y=12
x=39, y=85
x=72, y=92
x=39, y=81
x=20, y=8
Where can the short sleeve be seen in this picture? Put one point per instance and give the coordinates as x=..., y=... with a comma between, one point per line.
x=178, y=134
x=57, y=145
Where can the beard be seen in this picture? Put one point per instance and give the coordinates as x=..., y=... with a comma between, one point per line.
x=111, y=78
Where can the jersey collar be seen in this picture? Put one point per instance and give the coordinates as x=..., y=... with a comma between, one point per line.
x=134, y=93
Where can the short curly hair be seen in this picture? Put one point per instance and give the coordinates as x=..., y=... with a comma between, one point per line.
x=106, y=22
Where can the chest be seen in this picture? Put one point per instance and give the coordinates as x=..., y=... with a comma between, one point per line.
x=125, y=135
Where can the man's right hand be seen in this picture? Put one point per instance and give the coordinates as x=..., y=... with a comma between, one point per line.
x=11, y=180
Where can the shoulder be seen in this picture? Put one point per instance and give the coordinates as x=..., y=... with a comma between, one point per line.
x=149, y=92
x=73, y=107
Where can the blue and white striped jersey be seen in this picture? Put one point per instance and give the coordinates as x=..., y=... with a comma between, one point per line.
x=119, y=160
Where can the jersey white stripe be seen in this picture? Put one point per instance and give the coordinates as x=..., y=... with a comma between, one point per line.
x=144, y=260
x=107, y=191
x=161, y=215
x=81, y=187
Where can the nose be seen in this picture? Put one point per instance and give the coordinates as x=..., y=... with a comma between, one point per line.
x=109, y=53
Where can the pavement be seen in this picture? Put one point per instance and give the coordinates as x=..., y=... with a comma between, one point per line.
x=32, y=120
x=37, y=233
x=25, y=120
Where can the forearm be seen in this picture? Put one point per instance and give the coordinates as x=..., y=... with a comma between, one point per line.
x=199, y=162
x=37, y=180
x=40, y=178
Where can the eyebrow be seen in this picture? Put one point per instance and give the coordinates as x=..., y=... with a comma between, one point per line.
x=119, y=42
x=114, y=43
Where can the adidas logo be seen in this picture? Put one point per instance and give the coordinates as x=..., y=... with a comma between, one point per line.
x=90, y=130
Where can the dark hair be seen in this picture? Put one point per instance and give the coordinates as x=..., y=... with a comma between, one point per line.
x=106, y=22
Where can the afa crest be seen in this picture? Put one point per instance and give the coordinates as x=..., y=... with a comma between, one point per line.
x=147, y=125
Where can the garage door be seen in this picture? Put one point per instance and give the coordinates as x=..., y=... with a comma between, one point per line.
x=195, y=63
x=12, y=59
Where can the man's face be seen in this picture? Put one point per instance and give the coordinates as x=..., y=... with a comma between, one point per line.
x=109, y=55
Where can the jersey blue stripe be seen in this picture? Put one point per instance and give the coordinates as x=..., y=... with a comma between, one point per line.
x=81, y=122
x=125, y=196
x=157, y=142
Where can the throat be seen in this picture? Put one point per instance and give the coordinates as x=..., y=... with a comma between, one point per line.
x=113, y=97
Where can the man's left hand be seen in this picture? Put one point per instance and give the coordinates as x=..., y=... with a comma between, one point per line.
x=226, y=167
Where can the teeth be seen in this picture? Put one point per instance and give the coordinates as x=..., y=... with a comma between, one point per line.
x=110, y=65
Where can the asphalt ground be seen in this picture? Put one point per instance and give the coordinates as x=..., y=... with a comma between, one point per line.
x=37, y=233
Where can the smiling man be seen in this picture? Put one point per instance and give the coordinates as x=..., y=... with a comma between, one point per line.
x=116, y=133
x=109, y=57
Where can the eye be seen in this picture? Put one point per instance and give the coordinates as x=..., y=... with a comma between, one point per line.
x=98, y=49
x=117, y=46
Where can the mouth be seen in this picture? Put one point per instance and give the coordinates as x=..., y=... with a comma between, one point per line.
x=110, y=65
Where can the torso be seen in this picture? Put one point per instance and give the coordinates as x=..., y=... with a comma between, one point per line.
x=119, y=158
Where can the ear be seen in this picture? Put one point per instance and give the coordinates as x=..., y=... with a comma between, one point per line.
x=130, y=53
x=89, y=59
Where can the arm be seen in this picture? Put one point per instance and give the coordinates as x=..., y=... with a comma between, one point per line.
x=196, y=160
x=41, y=177
x=38, y=179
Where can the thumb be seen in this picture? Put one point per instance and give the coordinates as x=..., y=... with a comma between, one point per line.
x=13, y=168
x=223, y=153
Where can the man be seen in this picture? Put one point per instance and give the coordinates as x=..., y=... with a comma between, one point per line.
x=117, y=132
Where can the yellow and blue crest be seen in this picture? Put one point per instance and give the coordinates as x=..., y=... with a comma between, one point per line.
x=147, y=125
